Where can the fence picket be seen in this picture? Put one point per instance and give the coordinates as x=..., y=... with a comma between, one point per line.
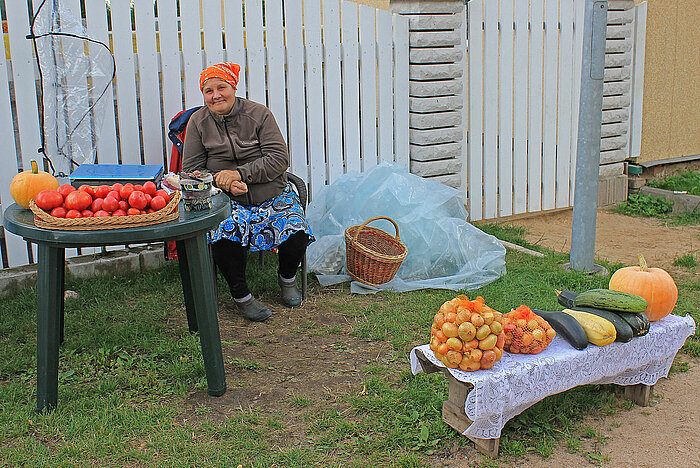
x=566, y=43
x=577, y=53
x=490, y=152
x=296, y=91
x=122, y=45
x=255, y=48
x=351, y=91
x=213, y=40
x=171, y=75
x=505, y=110
x=277, y=88
x=534, y=137
x=475, y=134
x=96, y=19
x=368, y=87
x=16, y=247
x=520, y=92
x=191, y=51
x=149, y=84
x=550, y=81
x=235, y=48
x=333, y=99
x=314, y=95
x=385, y=133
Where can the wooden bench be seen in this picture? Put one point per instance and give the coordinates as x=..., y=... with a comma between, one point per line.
x=453, y=408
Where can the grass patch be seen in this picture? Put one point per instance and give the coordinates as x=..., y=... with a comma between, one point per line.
x=686, y=261
x=129, y=366
x=683, y=181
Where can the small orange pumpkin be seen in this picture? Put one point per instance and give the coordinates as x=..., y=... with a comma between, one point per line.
x=653, y=284
x=27, y=184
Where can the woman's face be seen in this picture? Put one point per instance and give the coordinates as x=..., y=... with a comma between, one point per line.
x=219, y=96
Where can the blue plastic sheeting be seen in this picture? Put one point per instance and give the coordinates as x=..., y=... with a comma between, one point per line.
x=444, y=250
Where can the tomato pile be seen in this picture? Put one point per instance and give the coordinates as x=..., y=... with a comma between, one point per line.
x=467, y=334
x=526, y=332
x=103, y=200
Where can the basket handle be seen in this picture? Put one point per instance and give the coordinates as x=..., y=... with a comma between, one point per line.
x=357, y=232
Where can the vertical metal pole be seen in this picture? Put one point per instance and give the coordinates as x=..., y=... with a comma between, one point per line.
x=588, y=148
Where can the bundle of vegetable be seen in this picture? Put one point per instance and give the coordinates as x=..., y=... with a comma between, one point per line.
x=526, y=332
x=467, y=334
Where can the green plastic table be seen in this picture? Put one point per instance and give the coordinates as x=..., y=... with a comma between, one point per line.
x=198, y=283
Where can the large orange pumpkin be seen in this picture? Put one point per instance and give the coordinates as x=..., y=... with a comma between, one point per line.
x=653, y=284
x=27, y=184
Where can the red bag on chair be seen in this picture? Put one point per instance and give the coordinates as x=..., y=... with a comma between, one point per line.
x=176, y=134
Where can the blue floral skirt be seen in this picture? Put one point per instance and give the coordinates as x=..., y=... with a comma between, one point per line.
x=265, y=226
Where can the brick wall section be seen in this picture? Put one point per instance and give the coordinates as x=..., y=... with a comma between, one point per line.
x=437, y=57
x=616, y=102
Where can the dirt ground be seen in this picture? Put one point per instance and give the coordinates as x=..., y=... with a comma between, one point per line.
x=304, y=360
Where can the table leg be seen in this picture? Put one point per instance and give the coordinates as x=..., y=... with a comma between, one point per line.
x=49, y=304
x=187, y=291
x=202, y=290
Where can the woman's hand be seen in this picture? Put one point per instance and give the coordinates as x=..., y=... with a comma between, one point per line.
x=230, y=181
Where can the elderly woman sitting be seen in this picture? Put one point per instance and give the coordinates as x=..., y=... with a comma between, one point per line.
x=240, y=143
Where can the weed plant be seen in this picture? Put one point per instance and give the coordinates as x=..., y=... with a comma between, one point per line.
x=645, y=205
x=129, y=367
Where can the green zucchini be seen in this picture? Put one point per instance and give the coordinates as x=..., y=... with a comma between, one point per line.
x=566, y=326
x=566, y=298
x=639, y=322
x=611, y=300
x=623, y=329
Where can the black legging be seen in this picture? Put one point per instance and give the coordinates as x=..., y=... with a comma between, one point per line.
x=231, y=258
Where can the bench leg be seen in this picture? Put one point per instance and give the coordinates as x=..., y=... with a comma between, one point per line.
x=640, y=393
x=453, y=415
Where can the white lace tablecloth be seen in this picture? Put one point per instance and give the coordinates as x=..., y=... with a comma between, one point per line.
x=518, y=381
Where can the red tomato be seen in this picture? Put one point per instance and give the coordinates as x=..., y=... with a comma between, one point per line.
x=65, y=189
x=117, y=187
x=123, y=205
x=100, y=214
x=150, y=188
x=114, y=194
x=148, y=198
x=133, y=211
x=158, y=203
x=73, y=214
x=86, y=214
x=78, y=200
x=150, y=210
x=138, y=187
x=102, y=191
x=59, y=212
x=164, y=194
x=119, y=213
x=110, y=204
x=87, y=189
x=138, y=200
x=97, y=204
x=125, y=191
x=47, y=200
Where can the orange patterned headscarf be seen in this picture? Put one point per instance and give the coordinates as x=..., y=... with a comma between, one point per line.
x=226, y=71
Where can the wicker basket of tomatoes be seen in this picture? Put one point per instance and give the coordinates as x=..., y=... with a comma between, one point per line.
x=103, y=207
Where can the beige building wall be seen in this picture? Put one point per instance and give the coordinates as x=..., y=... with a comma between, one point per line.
x=671, y=112
x=383, y=4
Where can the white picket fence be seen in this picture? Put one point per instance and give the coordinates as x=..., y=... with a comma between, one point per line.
x=334, y=73
x=524, y=82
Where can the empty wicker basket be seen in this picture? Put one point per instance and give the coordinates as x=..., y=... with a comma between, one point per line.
x=373, y=255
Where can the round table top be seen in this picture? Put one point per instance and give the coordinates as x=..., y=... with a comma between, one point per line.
x=20, y=221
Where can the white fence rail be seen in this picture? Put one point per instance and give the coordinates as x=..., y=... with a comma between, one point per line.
x=334, y=73
x=524, y=81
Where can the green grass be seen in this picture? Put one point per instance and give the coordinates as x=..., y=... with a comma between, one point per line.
x=683, y=181
x=128, y=369
x=645, y=205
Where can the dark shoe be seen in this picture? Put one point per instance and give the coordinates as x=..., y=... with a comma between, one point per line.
x=254, y=310
x=291, y=296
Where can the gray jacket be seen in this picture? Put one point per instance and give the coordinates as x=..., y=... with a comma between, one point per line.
x=247, y=139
